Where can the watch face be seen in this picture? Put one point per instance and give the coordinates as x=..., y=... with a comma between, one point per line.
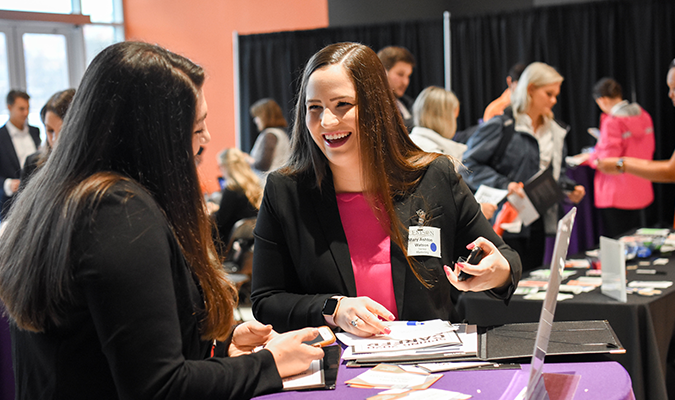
x=329, y=306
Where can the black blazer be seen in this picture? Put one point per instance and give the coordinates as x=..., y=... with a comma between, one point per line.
x=10, y=168
x=133, y=327
x=301, y=255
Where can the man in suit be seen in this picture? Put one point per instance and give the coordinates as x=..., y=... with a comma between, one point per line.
x=399, y=64
x=17, y=141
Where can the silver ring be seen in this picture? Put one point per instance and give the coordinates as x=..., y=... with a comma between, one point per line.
x=354, y=322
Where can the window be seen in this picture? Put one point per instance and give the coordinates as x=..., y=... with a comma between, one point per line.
x=43, y=6
x=44, y=53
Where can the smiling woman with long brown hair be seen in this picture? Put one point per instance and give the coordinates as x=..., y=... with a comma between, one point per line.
x=336, y=230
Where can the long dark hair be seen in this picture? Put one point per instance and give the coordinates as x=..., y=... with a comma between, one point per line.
x=393, y=164
x=131, y=119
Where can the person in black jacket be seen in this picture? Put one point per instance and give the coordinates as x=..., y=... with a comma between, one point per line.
x=363, y=224
x=107, y=265
x=17, y=141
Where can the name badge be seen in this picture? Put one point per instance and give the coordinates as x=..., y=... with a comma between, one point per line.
x=424, y=241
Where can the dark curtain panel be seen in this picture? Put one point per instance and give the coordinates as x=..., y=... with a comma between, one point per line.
x=271, y=64
x=628, y=40
x=632, y=42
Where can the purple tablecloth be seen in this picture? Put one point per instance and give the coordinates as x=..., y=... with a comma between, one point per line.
x=6, y=372
x=599, y=380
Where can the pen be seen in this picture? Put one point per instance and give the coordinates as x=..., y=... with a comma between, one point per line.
x=413, y=323
x=649, y=272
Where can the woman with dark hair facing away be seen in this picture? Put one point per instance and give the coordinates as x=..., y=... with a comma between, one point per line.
x=52, y=114
x=111, y=280
x=363, y=226
x=272, y=147
x=241, y=195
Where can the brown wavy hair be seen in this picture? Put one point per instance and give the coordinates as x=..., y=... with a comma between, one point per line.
x=269, y=112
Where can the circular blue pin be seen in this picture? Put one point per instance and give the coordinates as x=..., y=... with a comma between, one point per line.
x=433, y=247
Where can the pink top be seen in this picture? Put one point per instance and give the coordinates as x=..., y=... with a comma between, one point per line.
x=369, y=250
x=623, y=136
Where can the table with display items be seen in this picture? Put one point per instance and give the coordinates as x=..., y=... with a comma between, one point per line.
x=645, y=325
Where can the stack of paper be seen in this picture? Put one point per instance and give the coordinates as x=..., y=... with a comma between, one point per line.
x=385, y=376
x=412, y=341
x=428, y=394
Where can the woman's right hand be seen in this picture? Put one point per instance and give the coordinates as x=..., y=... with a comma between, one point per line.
x=291, y=355
x=361, y=316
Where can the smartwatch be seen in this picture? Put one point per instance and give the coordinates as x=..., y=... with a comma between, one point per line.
x=330, y=305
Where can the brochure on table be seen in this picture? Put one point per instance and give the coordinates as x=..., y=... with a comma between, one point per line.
x=613, y=258
x=410, y=340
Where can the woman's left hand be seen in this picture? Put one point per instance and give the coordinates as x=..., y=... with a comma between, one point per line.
x=248, y=336
x=493, y=271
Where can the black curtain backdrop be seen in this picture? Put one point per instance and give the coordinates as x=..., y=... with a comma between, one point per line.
x=629, y=40
x=271, y=64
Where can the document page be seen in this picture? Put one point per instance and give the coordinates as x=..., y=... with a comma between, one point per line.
x=462, y=340
x=311, y=378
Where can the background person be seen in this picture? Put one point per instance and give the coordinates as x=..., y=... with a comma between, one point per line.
x=18, y=140
x=435, y=114
x=535, y=141
x=332, y=233
x=497, y=106
x=241, y=195
x=655, y=171
x=399, y=64
x=111, y=280
x=52, y=115
x=625, y=130
x=272, y=146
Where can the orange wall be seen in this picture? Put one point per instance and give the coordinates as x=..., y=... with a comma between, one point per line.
x=202, y=31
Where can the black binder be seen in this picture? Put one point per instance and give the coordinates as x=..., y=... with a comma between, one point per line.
x=543, y=190
x=511, y=341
